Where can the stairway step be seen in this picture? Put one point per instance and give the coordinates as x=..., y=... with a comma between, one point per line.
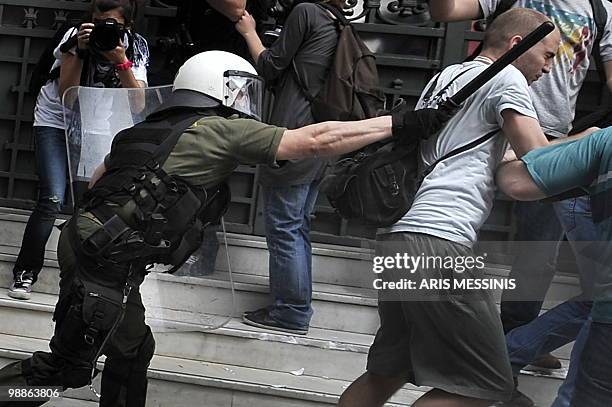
x=335, y=307
x=346, y=352
x=70, y=402
x=332, y=264
x=179, y=382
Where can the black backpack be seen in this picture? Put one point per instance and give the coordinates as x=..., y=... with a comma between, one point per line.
x=350, y=91
x=377, y=185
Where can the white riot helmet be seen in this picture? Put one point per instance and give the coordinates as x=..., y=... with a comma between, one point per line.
x=228, y=78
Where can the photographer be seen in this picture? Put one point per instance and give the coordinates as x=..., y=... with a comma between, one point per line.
x=101, y=52
x=296, y=63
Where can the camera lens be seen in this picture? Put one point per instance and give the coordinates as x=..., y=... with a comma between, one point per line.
x=106, y=35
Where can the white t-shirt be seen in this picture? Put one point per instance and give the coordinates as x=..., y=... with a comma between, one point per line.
x=554, y=95
x=456, y=198
x=49, y=111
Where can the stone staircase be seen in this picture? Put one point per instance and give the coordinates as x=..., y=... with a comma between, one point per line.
x=235, y=365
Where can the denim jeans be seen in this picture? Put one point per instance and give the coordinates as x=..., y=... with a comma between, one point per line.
x=553, y=329
x=594, y=378
x=536, y=222
x=570, y=320
x=287, y=212
x=52, y=167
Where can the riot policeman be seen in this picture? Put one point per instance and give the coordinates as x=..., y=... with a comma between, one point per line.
x=161, y=183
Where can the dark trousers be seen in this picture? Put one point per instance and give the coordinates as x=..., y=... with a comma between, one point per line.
x=68, y=365
x=537, y=236
x=593, y=384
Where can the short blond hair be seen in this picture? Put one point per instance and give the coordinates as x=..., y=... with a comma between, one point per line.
x=517, y=21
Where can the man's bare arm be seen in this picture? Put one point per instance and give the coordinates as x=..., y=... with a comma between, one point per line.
x=332, y=138
x=232, y=9
x=513, y=179
x=454, y=10
x=523, y=132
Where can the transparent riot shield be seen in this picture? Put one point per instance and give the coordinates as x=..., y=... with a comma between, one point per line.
x=197, y=297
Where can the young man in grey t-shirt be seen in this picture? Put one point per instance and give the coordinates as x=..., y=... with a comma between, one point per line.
x=456, y=344
x=543, y=224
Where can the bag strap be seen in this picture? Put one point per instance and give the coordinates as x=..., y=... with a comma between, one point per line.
x=600, y=15
x=340, y=17
x=460, y=150
x=427, y=97
x=182, y=123
x=340, y=22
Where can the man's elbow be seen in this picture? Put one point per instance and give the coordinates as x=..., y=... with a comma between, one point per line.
x=516, y=191
x=514, y=181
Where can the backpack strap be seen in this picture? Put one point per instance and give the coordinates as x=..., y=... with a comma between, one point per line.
x=427, y=97
x=600, y=15
x=504, y=5
x=460, y=150
x=466, y=147
x=340, y=17
x=341, y=22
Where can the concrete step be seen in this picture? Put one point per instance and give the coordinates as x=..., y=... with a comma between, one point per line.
x=184, y=382
x=336, y=307
x=324, y=353
x=332, y=264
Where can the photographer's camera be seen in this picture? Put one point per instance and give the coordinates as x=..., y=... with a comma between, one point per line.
x=106, y=35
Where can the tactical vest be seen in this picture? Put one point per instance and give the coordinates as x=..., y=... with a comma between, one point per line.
x=149, y=216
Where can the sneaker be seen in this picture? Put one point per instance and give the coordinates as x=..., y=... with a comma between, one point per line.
x=22, y=285
x=518, y=400
x=547, y=362
x=261, y=319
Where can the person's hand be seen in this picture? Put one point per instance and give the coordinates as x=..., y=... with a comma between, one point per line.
x=420, y=123
x=117, y=55
x=83, y=35
x=246, y=24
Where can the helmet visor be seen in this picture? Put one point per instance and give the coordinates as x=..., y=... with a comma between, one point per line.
x=243, y=92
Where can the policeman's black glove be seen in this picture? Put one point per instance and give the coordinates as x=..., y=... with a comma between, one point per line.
x=420, y=124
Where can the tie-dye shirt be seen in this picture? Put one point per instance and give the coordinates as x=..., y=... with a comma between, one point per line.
x=555, y=94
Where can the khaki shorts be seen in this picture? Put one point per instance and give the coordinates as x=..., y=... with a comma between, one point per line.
x=455, y=344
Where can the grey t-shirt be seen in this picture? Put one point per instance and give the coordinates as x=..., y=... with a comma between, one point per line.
x=309, y=39
x=554, y=95
x=455, y=199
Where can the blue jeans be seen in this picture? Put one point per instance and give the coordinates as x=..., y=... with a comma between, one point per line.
x=536, y=222
x=594, y=378
x=52, y=167
x=570, y=320
x=287, y=212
